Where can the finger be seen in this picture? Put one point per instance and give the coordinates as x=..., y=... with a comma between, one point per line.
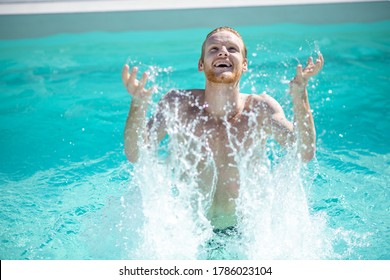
x=143, y=80
x=125, y=74
x=321, y=57
x=318, y=65
x=133, y=75
x=309, y=60
x=320, y=60
x=298, y=73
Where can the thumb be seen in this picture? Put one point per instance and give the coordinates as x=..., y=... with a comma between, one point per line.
x=298, y=73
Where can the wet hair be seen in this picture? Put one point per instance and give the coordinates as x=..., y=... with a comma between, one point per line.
x=219, y=29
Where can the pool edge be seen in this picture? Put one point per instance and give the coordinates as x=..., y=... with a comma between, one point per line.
x=40, y=25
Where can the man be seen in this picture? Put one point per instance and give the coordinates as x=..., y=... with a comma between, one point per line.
x=220, y=111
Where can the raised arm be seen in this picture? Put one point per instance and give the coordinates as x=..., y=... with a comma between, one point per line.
x=304, y=129
x=136, y=121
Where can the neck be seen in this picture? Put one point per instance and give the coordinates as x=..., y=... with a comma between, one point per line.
x=222, y=100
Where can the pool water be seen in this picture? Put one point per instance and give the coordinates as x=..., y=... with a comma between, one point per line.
x=67, y=191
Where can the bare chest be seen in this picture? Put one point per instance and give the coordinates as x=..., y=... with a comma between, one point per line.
x=223, y=138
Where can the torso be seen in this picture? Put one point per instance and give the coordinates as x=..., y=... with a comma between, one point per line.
x=215, y=133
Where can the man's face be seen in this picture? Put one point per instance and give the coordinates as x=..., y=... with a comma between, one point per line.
x=223, y=60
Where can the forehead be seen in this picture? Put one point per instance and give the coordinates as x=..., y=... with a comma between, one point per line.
x=224, y=37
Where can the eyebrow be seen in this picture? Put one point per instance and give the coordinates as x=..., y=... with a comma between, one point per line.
x=216, y=42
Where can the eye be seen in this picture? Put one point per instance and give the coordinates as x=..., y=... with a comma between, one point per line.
x=233, y=49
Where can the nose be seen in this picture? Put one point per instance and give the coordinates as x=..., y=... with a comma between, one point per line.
x=223, y=52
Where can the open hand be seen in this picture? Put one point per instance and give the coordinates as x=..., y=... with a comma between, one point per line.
x=302, y=76
x=135, y=87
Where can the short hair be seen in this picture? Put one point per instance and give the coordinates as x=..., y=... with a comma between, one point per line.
x=219, y=29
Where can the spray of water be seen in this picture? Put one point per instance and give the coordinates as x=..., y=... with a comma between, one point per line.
x=174, y=206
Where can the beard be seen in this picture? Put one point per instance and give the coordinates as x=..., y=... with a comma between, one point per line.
x=227, y=77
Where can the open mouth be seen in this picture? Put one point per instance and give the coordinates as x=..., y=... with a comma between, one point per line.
x=222, y=64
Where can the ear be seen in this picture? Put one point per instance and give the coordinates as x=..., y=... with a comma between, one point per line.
x=200, y=65
x=245, y=65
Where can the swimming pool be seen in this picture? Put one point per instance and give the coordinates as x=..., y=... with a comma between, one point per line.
x=67, y=191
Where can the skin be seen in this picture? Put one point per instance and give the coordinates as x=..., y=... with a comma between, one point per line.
x=222, y=109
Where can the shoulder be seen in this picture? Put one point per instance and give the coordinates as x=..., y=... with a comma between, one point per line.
x=263, y=102
x=183, y=99
x=177, y=94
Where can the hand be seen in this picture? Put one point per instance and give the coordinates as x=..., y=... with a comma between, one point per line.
x=302, y=76
x=134, y=87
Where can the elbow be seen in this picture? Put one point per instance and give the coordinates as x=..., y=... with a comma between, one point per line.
x=131, y=149
x=308, y=154
x=132, y=156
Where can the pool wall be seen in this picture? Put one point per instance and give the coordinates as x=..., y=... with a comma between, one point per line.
x=36, y=19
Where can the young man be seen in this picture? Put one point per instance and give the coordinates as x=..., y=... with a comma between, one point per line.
x=220, y=109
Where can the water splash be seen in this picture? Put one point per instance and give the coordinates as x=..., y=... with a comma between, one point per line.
x=274, y=217
x=277, y=223
x=174, y=205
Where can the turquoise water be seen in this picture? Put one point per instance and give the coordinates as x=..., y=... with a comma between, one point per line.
x=67, y=191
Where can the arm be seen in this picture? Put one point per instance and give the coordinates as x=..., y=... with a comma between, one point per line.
x=136, y=120
x=304, y=129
